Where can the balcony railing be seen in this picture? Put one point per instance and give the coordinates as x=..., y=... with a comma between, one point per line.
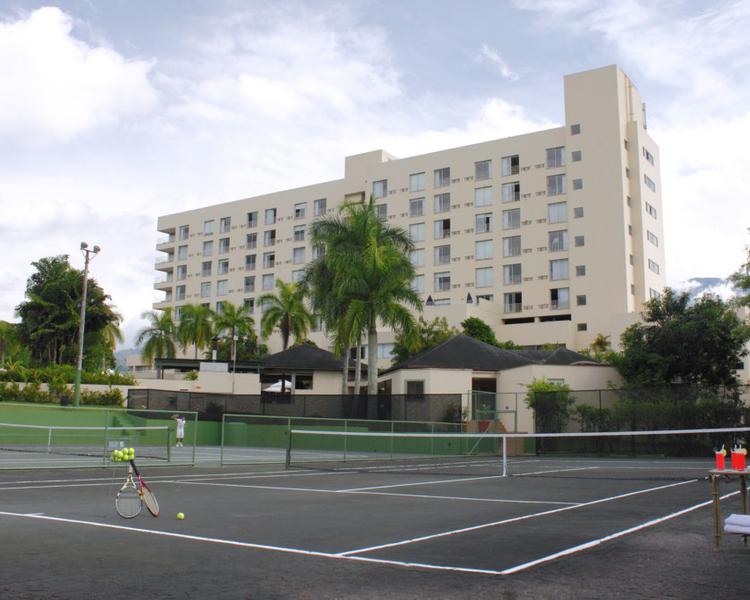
x=559, y=304
x=512, y=307
x=160, y=260
x=165, y=239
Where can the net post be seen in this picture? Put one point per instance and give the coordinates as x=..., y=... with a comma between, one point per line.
x=49, y=440
x=195, y=436
x=432, y=439
x=505, y=456
x=392, y=432
x=288, y=459
x=346, y=437
x=169, y=446
x=221, y=445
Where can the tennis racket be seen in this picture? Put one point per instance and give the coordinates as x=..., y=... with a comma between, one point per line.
x=128, y=502
x=145, y=493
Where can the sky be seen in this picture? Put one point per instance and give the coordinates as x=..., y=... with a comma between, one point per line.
x=115, y=112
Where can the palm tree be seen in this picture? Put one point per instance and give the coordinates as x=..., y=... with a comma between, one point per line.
x=286, y=311
x=372, y=274
x=110, y=335
x=196, y=326
x=237, y=322
x=158, y=338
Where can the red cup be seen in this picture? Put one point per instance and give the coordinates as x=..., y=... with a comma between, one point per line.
x=740, y=462
x=720, y=461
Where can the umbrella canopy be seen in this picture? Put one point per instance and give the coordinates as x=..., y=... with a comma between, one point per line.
x=276, y=387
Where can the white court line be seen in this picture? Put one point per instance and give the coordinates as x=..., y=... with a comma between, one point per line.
x=553, y=471
x=511, y=520
x=282, y=549
x=373, y=493
x=454, y=480
x=606, y=538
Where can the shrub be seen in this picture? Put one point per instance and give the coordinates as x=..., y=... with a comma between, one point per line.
x=551, y=404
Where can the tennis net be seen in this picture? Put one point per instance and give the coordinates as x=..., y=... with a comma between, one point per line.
x=665, y=454
x=87, y=443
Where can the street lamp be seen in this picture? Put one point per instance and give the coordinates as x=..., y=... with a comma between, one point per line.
x=88, y=255
x=234, y=358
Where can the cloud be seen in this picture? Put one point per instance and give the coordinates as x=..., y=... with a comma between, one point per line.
x=488, y=54
x=56, y=86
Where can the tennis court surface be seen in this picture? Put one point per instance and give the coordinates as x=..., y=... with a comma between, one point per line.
x=557, y=527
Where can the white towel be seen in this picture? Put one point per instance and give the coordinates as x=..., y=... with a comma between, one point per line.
x=738, y=520
x=736, y=529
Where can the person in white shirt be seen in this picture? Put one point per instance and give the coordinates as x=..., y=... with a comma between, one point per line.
x=180, y=432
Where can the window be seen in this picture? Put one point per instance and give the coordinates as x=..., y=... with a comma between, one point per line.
x=482, y=170
x=575, y=129
x=208, y=227
x=630, y=230
x=512, y=246
x=269, y=260
x=417, y=258
x=319, y=207
x=223, y=245
x=298, y=275
x=442, y=255
x=298, y=256
x=250, y=283
x=250, y=304
x=251, y=241
x=483, y=196
x=270, y=216
x=208, y=248
x=385, y=350
x=269, y=237
x=627, y=172
x=252, y=219
x=578, y=184
x=512, y=274
x=483, y=278
x=581, y=300
x=181, y=272
x=380, y=189
x=442, y=281
x=559, y=298
x=625, y=144
x=206, y=268
x=649, y=183
x=648, y=156
x=555, y=184
x=558, y=269
x=442, y=229
x=267, y=282
x=442, y=302
x=483, y=223
x=557, y=212
x=223, y=267
x=416, y=232
x=652, y=238
x=628, y=200
x=442, y=203
x=219, y=307
x=652, y=293
x=653, y=266
x=509, y=165
x=442, y=177
x=650, y=210
x=415, y=388
x=299, y=233
x=182, y=253
x=206, y=289
x=483, y=250
x=416, y=207
x=511, y=192
x=575, y=156
x=512, y=302
x=184, y=232
x=250, y=262
x=512, y=218
x=417, y=182
x=578, y=212
x=179, y=292
x=555, y=157
x=225, y=224
x=582, y=327
x=580, y=270
x=318, y=250
x=579, y=241
x=222, y=287
x=300, y=210
x=558, y=240
x=417, y=284
x=381, y=210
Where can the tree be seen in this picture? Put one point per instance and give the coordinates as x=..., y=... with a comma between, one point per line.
x=234, y=322
x=678, y=342
x=478, y=329
x=11, y=348
x=425, y=335
x=372, y=273
x=551, y=404
x=286, y=311
x=157, y=339
x=741, y=280
x=196, y=327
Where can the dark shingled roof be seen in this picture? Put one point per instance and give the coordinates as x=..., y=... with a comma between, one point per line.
x=303, y=357
x=464, y=352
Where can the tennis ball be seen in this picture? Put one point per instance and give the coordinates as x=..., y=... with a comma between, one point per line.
x=180, y=516
x=117, y=454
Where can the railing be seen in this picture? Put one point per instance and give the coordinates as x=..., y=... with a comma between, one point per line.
x=559, y=304
x=162, y=260
x=165, y=240
x=512, y=307
x=160, y=280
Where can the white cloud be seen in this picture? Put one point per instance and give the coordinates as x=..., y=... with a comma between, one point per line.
x=488, y=54
x=55, y=86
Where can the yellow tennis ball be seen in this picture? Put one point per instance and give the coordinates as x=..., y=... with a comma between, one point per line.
x=117, y=454
x=180, y=516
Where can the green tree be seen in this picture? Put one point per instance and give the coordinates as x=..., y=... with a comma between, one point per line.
x=741, y=280
x=234, y=322
x=195, y=327
x=678, y=342
x=551, y=403
x=286, y=311
x=424, y=336
x=11, y=348
x=157, y=339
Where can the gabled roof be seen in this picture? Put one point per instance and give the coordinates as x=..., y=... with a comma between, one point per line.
x=464, y=352
x=304, y=357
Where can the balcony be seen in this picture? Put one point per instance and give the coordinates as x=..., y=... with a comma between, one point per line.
x=168, y=239
x=559, y=304
x=162, y=262
x=512, y=307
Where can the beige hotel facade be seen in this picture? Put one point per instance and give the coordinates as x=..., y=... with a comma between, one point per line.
x=551, y=237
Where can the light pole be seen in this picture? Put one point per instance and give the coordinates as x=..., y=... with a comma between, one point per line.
x=234, y=358
x=88, y=256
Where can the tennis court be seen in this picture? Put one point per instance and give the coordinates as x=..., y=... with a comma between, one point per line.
x=454, y=527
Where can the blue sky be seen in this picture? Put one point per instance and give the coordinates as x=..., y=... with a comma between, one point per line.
x=112, y=113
